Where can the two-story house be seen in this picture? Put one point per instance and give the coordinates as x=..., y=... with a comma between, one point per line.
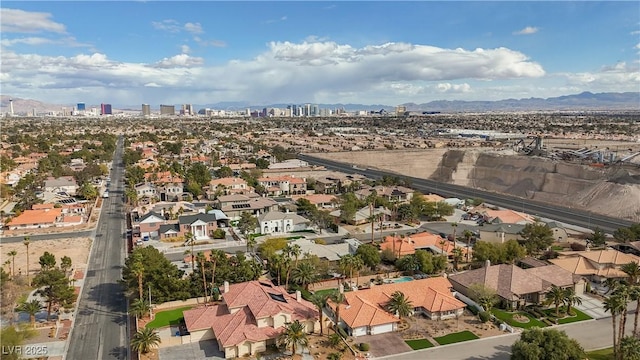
x=277, y=222
x=284, y=185
x=235, y=205
x=227, y=186
x=146, y=190
x=251, y=316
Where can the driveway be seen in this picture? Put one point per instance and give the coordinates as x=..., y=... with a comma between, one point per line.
x=592, y=307
x=384, y=344
x=195, y=351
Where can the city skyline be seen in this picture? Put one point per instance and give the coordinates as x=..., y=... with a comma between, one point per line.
x=316, y=52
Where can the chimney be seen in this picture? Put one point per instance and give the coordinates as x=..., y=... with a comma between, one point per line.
x=298, y=296
x=487, y=263
x=226, y=287
x=341, y=287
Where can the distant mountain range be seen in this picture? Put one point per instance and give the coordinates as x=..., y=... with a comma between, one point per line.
x=583, y=101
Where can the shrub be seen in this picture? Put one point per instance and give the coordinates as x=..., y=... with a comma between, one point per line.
x=364, y=347
x=577, y=247
x=484, y=316
x=320, y=242
x=473, y=309
x=219, y=234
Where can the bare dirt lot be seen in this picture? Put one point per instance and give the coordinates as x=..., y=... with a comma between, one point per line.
x=75, y=248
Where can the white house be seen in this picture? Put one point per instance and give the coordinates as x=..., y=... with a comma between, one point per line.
x=277, y=222
x=65, y=184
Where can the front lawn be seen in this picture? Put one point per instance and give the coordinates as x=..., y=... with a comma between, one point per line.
x=579, y=316
x=508, y=318
x=456, y=337
x=325, y=291
x=602, y=354
x=419, y=344
x=168, y=317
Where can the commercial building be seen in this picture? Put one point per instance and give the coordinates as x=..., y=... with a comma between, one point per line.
x=167, y=110
x=105, y=109
x=81, y=107
x=146, y=110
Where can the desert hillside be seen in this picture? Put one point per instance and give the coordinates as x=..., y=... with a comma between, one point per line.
x=614, y=191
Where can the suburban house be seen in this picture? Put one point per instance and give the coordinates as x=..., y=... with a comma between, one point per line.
x=505, y=216
x=66, y=184
x=321, y=201
x=252, y=316
x=393, y=194
x=433, y=243
x=200, y=225
x=284, y=185
x=500, y=233
x=330, y=252
x=170, y=191
x=595, y=265
x=365, y=214
x=235, y=205
x=515, y=286
x=327, y=185
x=146, y=190
x=149, y=224
x=36, y=219
x=632, y=248
x=364, y=311
x=227, y=186
x=277, y=222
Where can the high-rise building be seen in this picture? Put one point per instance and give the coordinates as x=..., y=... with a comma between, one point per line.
x=307, y=109
x=167, y=110
x=315, y=110
x=11, y=107
x=105, y=109
x=146, y=110
x=400, y=110
x=81, y=107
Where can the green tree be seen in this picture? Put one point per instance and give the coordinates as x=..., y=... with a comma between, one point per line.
x=294, y=335
x=13, y=254
x=537, y=237
x=137, y=270
x=26, y=243
x=304, y=274
x=199, y=173
x=348, y=207
x=536, y=344
x=88, y=191
x=630, y=348
x=145, y=339
x=409, y=263
x=32, y=308
x=55, y=288
x=632, y=270
x=614, y=305
x=458, y=256
x=65, y=264
x=337, y=298
x=247, y=223
x=370, y=255
x=570, y=299
x=598, y=238
x=320, y=301
x=134, y=175
x=400, y=305
x=12, y=337
x=555, y=296
x=140, y=308
x=224, y=172
x=483, y=295
x=47, y=261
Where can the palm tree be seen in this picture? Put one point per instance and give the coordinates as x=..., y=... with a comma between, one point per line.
x=454, y=225
x=634, y=295
x=32, y=308
x=632, y=270
x=400, y=305
x=623, y=293
x=201, y=261
x=276, y=263
x=13, y=254
x=613, y=304
x=26, y=243
x=320, y=301
x=468, y=235
x=335, y=355
x=357, y=264
x=294, y=334
x=140, y=308
x=137, y=269
x=555, y=296
x=145, y=339
x=334, y=340
x=189, y=239
x=458, y=255
x=304, y=274
x=251, y=243
x=570, y=299
x=338, y=298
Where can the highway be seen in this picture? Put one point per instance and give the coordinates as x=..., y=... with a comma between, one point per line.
x=563, y=214
x=100, y=329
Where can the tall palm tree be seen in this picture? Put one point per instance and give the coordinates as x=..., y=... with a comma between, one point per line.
x=570, y=299
x=458, y=255
x=454, y=225
x=613, y=304
x=623, y=293
x=555, y=296
x=468, y=235
x=304, y=274
x=357, y=264
x=137, y=269
x=26, y=243
x=140, y=308
x=189, y=239
x=338, y=298
x=320, y=301
x=275, y=264
x=32, y=308
x=201, y=261
x=634, y=295
x=251, y=243
x=633, y=270
x=400, y=305
x=13, y=254
x=145, y=339
x=294, y=334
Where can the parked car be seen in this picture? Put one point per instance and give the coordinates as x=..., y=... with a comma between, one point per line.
x=146, y=238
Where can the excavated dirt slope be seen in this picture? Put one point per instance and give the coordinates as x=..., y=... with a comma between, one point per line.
x=614, y=191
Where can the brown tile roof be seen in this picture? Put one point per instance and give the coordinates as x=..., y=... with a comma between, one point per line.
x=553, y=275
x=509, y=281
x=367, y=307
x=604, y=263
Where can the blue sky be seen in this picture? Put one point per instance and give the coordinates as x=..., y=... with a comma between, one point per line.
x=127, y=53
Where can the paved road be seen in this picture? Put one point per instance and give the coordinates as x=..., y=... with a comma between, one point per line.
x=100, y=330
x=571, y=216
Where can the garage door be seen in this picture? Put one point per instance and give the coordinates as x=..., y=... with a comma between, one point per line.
x=381, y=329
x=360, y=331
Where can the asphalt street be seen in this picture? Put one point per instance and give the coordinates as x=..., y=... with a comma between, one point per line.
x=566, y=215
x=100, y=330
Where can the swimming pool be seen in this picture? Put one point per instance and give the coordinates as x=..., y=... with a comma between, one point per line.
x=398, y=280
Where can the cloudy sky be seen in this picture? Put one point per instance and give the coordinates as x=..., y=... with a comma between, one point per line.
x=202, y=52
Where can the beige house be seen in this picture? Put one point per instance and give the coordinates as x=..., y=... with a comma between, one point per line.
x=596, y=265
x=251, y=316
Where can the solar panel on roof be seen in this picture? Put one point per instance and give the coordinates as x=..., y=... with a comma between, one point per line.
x=278, y=297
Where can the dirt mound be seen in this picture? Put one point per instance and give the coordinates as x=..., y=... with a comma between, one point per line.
x=611, y=199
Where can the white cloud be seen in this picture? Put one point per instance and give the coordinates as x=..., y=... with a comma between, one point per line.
x=636, y=32
x=169, y=25
x=20, y=21
x=194, y=28
x=214, y=43
x=608, y=78
x=182, y=60
x=453, y=88
x=151, y=84
x=527, y=31
x=185, y=49
x=36, y=41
